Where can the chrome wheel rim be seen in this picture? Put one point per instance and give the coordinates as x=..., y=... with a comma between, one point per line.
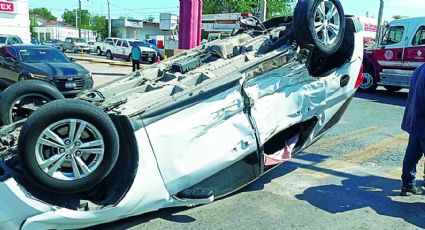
x=367, y=81
x=29, y=103
x=327, y=22
x=69, y=149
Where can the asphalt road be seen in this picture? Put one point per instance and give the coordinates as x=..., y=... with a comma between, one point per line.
x=347, y=180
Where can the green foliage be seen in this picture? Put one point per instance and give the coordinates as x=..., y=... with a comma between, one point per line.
x=69, y=18
x=150, y=19
x=274, y=7
x=100, y=25
x=43, y=12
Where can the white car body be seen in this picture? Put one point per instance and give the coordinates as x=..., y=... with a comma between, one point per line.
x=123, y=49
x=178, y=148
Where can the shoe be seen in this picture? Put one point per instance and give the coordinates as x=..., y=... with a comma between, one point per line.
x=411, y=191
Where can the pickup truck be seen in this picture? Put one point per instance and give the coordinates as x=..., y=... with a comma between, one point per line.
x=391, y=62
x=105, y=46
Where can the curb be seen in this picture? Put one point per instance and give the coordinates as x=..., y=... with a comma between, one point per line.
x=96, y=60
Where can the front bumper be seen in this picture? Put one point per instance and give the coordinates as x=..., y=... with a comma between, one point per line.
x=81, y=83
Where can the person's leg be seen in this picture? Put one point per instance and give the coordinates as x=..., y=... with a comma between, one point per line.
x=138, y=64
x=411, y=159
x=134, y=64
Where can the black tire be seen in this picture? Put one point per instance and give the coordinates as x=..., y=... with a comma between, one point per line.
x=305, y=30
x=55, y=112
x=3, y=85
x=25, y=89
x=109, y=55
x=369, y=83
x=99, y=51
x=393, y=88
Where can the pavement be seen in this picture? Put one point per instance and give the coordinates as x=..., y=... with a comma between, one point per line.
x=350, y=179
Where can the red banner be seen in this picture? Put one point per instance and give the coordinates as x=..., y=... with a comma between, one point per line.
x=7, y=7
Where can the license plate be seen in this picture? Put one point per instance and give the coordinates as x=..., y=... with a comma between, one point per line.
x=70, y=85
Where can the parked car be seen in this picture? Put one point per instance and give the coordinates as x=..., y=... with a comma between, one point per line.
x=186, y=131
x=107, y=45
x=123, y=47
x=35, y=41
x=152, y=46
x=25, y=62
x=76, y=45
x=9, y=40
x=54, y=43
x=391, y=61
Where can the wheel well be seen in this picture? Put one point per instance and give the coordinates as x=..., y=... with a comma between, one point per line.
x=369, y=67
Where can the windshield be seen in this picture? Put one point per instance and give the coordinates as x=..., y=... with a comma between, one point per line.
x=42, y=56
x=3, y=39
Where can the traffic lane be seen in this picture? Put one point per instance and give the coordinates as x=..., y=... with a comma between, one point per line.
x=350, y=179
x=104, y=73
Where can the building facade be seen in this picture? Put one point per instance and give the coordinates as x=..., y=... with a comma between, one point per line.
x=14, y=19
x=135, y=29
x=61, y=31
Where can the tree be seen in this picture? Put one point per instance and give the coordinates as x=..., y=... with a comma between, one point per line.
x=69, y=18
x=150, y=19
x=43, y=12
x=274, y=7
x=100, y=25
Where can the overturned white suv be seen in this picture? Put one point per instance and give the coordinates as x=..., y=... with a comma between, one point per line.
x=182, y=132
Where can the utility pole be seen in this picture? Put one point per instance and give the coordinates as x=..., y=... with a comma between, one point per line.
x=79, y=18
x=381, y=13
x=109, y=20
x=263, y=10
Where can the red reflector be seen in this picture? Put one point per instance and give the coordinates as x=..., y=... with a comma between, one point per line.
x=245, y=15
x=360, y=78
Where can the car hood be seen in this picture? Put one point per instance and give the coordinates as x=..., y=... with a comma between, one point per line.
x=81, y=44
x=57, y=69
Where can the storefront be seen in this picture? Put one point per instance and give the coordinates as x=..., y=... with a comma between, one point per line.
x=14, y=19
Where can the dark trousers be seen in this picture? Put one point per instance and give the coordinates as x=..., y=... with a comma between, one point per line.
x=136, y=64
x=414, y=152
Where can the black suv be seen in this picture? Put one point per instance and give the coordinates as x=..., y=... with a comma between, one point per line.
x=23, y=62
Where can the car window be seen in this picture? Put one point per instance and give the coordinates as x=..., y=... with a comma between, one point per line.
x=3, y=40
x=9, y=41
x=119, y=43
x=125, y=44
x=108, y=41
x=419, y=39
x=41, y=55
x=393, y=35
x=17, y=40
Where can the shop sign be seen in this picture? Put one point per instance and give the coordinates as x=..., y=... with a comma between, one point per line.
x=7, y=7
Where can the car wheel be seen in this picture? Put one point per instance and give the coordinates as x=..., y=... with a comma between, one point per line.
x=21, y=99
x=98, y=51
x=393, y=88
x=68, y=146
x=109, y=55
x=320, y=23
x=369, y=83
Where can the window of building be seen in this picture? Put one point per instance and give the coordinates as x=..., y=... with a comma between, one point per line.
x=393, y=35
x=419, y=39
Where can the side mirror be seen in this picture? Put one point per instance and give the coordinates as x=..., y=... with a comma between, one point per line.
x=72, y=59
x=10, y=59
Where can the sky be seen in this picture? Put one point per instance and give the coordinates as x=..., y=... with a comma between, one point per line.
x=142, y=9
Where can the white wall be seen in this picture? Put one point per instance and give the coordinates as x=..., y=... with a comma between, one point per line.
x=62, y=33
x=17, y=23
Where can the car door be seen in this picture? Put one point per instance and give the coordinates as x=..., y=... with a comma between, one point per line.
x=285, y=97
x=415, y=51
x=390, y=53
x=118, y=49
x=126, y=48
x=198, y=138
x=8, y=69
